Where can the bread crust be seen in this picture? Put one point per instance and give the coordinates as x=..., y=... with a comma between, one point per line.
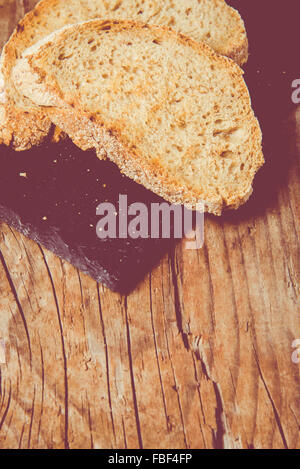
x=25, y=128
x=240, y=53
x=238, y=49
x=88, y=131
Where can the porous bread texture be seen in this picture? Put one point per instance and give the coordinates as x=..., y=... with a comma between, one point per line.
x=212, y=21
x=171, y=113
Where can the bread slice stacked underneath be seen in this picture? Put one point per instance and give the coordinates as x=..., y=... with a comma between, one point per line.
x=211, y=21
x=170, y=112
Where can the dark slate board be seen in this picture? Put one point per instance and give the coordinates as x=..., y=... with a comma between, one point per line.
x=65, y=185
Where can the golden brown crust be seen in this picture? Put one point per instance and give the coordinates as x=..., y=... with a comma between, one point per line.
x=31, y=129
x=109, y=144
x=240, y=53
x=91, y=133
x=238, y=48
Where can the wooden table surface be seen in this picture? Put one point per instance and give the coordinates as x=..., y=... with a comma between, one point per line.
x=198, y=356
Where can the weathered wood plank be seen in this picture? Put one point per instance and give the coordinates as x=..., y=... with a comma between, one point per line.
x=198, y=356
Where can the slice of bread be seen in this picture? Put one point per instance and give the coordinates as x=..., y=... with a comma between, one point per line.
x=212, y=21
x=170, y=112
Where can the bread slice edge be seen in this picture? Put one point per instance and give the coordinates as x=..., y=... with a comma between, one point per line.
x=87, y=132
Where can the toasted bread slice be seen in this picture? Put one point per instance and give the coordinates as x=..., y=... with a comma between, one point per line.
x=212, y=21
x=170, y=112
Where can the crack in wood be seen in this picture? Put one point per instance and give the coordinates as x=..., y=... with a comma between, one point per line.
x=43, y=389
x=176, y=389
x=6, y=409
x=106, y=362
x=124, y=433
x=90, y=426
x=169, y=427
x=276, y=414
x=219, y=412
x=63, y=350
x=135, y=404
x=219, y=432
x=178, y=310
x=31, y=418
x=199, y=395
x=20, y=309
x=21, y=436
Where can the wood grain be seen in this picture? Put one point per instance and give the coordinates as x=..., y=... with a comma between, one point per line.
x=198, y=356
